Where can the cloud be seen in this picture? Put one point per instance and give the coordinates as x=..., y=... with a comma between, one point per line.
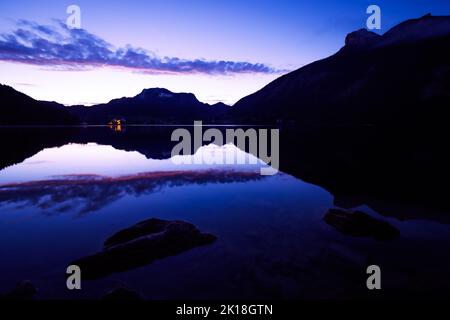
x=59, y=47
x=88, y=193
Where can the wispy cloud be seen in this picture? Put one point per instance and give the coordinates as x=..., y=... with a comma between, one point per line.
x=93, y=192
x=58, y=47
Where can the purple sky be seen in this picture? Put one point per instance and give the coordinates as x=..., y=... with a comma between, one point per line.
x=219, y=50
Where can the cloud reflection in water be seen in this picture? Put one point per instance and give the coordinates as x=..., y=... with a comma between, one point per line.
x=54, y=189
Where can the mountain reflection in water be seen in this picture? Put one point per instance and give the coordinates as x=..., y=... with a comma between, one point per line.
x=50, y=186
x=62, y=193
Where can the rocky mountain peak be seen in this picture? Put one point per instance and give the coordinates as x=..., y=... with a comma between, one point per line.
x=361, y=38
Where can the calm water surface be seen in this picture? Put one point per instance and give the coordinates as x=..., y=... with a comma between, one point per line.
x=61, y=203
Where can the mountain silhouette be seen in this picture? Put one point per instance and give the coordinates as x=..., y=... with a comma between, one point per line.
x=20, y=109
x=401, y=76
x=156, y=105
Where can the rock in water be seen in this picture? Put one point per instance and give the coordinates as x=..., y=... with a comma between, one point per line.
x=141, y=244
x=147, y=227
x=24, y=290
x=360, y=224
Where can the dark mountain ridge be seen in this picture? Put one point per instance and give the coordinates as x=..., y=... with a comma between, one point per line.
x=155, y=105
x=152, y=106
x=19, y=109
x=400, y=77
x=403, y=75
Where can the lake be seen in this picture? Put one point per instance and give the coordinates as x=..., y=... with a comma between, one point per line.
x=63, y=191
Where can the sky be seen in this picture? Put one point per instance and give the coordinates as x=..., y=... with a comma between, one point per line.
x=218, y=50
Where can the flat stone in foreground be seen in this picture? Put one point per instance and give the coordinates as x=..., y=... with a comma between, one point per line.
x=141, y=244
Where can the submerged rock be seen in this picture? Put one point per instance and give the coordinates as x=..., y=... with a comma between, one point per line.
x=141, y=244
x=24, y=290
x=360, y=224
x=143, y=228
